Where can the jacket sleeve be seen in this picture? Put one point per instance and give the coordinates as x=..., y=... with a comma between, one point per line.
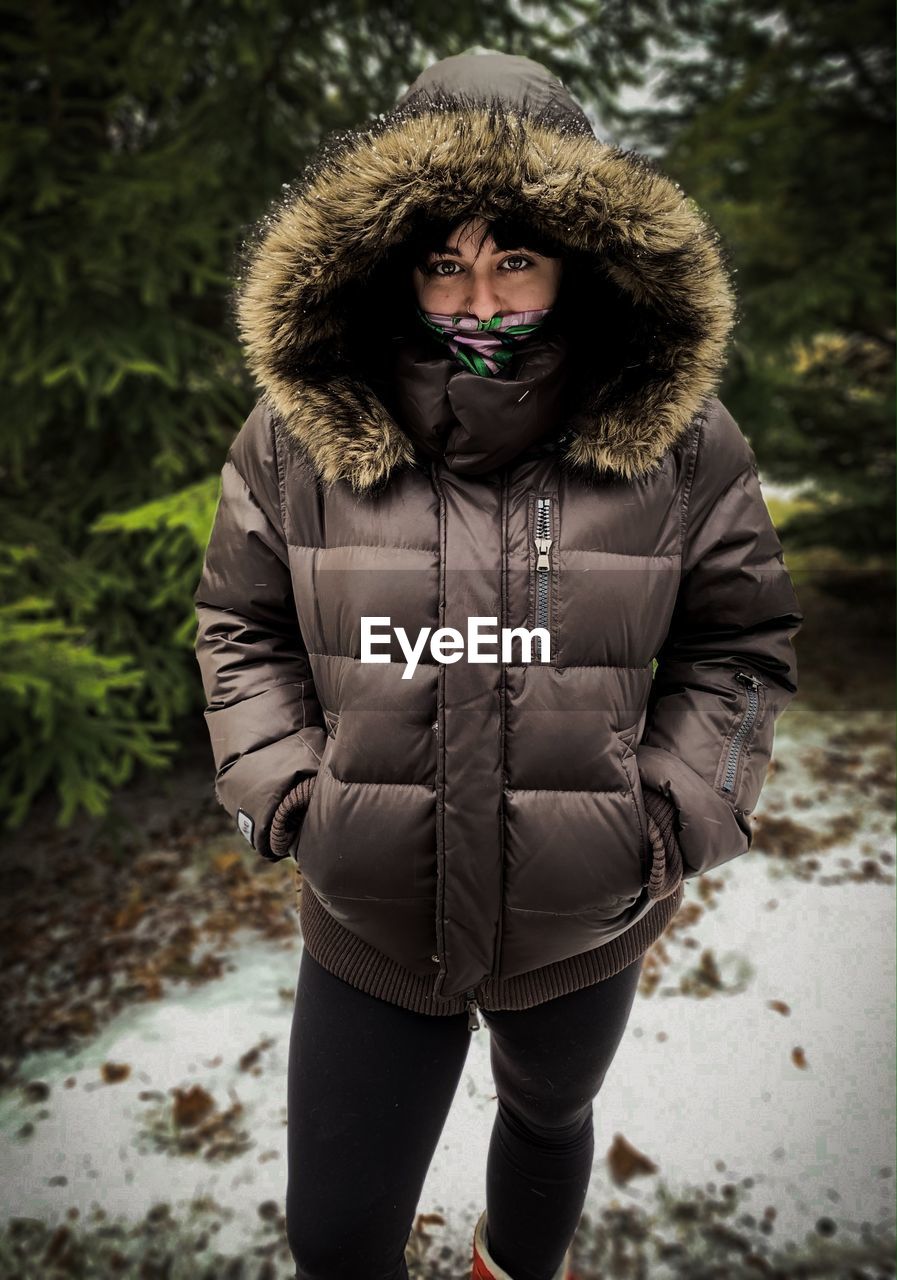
x=263, y=715
x=727, y=668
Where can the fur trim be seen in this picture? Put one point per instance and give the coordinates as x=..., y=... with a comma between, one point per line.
x=356, y=200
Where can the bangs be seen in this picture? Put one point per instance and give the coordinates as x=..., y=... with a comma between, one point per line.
x=432, y=236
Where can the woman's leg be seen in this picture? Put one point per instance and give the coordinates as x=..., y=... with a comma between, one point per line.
x=548, y=1063
x=369, y=1088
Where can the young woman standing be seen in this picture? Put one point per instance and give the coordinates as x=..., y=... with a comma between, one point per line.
x=488, y=345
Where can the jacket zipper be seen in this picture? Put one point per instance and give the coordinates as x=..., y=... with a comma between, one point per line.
x=440, y=734
x=747, y=723
x=542, y=538
x=502, y=705
x=473, y=1023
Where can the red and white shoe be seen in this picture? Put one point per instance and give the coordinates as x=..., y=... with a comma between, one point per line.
x=485, y=1269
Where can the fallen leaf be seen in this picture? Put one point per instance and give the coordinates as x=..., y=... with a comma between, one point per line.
x=626, y=1162
x=191, y=1105
x=36, y=1091
x=112, y=1072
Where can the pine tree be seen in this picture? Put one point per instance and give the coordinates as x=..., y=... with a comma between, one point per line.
x=778, y=119
x=139, y=143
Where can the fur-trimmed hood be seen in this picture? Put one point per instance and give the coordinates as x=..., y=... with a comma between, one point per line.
x=495, y=134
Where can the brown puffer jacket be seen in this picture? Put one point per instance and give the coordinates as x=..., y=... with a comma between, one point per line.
x=476, y=820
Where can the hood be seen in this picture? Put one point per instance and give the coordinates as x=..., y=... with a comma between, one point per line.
x=489, y=133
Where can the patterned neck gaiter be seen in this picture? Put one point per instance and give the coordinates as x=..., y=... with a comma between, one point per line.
x=483, y=346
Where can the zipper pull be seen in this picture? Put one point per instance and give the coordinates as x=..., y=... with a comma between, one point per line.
x=543, y=546
x=473, y=1023
x=748, y=678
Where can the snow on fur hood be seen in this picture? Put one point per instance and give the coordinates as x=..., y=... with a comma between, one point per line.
x=494, y=133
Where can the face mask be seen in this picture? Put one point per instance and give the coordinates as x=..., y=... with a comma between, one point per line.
x=482, y=346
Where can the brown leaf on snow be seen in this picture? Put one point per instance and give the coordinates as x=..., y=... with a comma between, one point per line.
x=421, y=1240
x=59, y=1245
x=112, y=1072
x=196, y=1126
x=191, y=1105
x=779, y=1006
x=429, y=1220
x=36, y=1091
x=250, y=1058
x=799, y=1058
x=783, y=836
x=625, y=1162
x=707, y=978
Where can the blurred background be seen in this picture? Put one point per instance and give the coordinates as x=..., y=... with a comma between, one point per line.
x=148, y=964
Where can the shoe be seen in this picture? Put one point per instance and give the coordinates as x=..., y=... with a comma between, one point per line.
x=485, y=1269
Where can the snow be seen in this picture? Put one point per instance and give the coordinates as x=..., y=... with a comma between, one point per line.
x=707, y=1088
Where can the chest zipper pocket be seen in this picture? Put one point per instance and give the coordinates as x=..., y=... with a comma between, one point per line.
x=544, y=538
x=743, y=732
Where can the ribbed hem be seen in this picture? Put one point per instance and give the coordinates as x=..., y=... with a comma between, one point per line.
x=348, y=957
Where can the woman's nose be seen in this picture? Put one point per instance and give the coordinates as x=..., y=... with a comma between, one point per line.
x=483, y=301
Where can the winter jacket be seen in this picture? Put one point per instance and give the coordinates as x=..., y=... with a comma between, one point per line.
x=504, y=829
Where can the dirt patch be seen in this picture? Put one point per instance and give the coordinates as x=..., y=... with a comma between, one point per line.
x=96, y=929
x=715, y=1232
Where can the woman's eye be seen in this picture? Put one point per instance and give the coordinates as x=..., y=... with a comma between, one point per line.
x=521, y=265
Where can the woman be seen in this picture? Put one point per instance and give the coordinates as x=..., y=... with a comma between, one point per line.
x=486, y=491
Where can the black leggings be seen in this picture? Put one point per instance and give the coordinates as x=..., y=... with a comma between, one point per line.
x=369, y=1089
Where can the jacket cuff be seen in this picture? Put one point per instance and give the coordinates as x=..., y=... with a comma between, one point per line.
x=289, y=816
x=666, y=867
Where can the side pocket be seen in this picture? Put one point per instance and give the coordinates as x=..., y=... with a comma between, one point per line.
x=666, y=863
x=289, y=816
x=738, y=742
x=308, y=844
x=630, y=767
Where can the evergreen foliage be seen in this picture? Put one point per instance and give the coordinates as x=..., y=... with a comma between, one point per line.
x=778, y=119
x=138, y=142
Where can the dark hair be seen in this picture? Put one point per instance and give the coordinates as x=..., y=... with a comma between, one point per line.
x=431, y=235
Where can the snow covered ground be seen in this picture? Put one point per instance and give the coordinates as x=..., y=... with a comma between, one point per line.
x=765, y=1051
